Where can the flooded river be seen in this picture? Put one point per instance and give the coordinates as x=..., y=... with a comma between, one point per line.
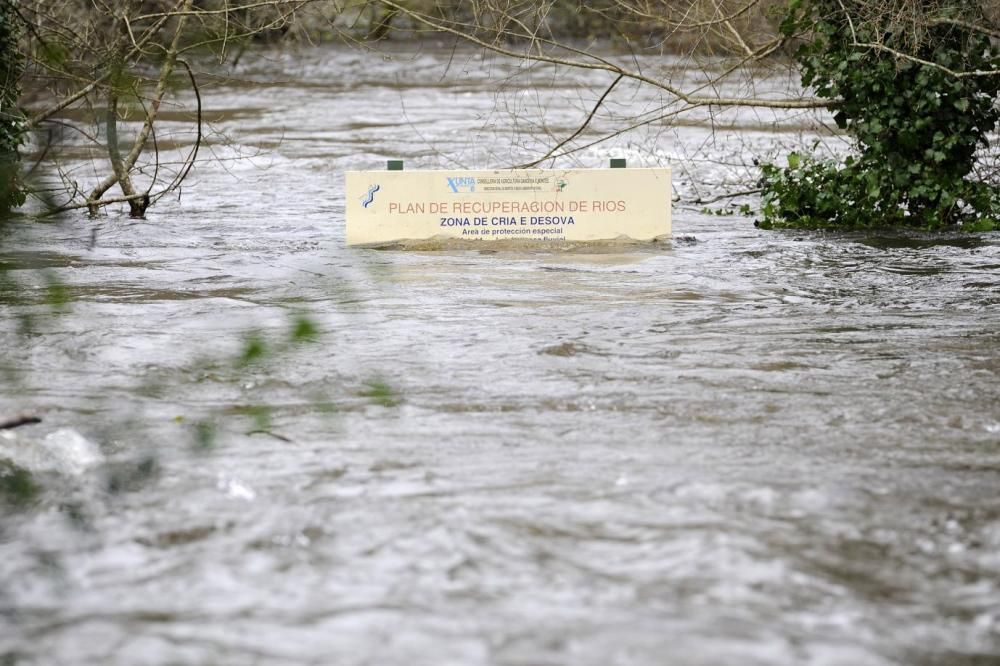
x=737, y=447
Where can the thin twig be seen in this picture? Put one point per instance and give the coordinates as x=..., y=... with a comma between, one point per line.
x=728, y=195
x=597, y=63
x=189, y=162
x=18, y=421
x=69, y=100
x=583, y=126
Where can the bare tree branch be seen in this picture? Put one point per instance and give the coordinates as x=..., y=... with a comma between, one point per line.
x=966, y=25
x=583, y=126
x=122, y=167
x=595, y=62
x=69, y=100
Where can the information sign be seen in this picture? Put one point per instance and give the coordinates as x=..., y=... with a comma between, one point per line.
x=531, y=205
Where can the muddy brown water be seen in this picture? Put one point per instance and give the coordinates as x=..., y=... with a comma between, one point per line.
x=737, y=447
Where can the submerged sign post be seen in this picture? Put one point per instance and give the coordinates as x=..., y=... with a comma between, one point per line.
x=533, y=205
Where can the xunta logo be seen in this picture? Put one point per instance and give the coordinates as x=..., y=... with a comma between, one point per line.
x=462, y=184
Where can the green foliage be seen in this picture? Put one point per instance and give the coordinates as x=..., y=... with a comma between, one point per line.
x=259, y=352
x=304, y=330
x=254, y=349
x=743, y=209
x=916, y=124
x=380, y=393
x=260, y=415
x=11, y=121
x=17, y=486
x=57, y=295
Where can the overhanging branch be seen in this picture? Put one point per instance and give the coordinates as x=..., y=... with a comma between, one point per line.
x=594, y=62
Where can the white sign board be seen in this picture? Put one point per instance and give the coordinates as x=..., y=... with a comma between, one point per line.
x=532, y=205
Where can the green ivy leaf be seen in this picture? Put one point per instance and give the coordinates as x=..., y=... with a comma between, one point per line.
x=304, y=330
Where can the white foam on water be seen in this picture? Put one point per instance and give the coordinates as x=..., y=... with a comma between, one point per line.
x=64, y=451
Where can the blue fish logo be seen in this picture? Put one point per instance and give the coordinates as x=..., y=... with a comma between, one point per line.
x=370, y=197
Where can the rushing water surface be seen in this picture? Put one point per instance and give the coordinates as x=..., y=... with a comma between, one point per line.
x=736, y=447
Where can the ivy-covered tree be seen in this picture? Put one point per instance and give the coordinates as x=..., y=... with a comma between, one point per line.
x=11, y=121
x=914, y=84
